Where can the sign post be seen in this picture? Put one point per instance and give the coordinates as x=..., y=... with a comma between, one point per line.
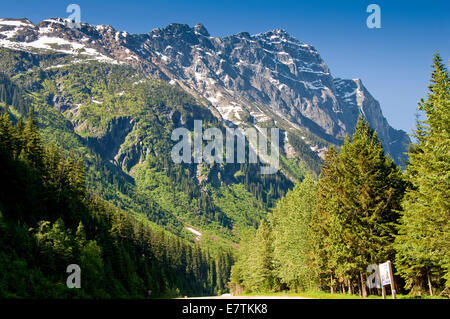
x=387, y=278
x=394, y=293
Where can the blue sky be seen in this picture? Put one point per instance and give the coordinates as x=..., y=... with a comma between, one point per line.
x=393, y=62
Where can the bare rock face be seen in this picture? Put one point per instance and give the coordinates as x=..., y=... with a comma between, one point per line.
x=269, y=77
x=353, y=95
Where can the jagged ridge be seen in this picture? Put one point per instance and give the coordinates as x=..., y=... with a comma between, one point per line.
x=269, y=78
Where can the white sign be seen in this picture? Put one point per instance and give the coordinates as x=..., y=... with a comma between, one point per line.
x=384, y=274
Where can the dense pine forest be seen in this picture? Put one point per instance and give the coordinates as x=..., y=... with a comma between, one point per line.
x=48, y=220
x=363, y=210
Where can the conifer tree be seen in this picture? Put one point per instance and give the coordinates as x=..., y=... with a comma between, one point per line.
x=33, y=149
x=6, y=133
x=323, y=236
x=423, y=253
x=19, y=141
x=359, y=196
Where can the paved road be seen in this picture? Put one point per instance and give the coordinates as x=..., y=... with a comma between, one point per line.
x=228, y=296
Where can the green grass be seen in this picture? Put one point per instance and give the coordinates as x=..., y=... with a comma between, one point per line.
x=327, y=295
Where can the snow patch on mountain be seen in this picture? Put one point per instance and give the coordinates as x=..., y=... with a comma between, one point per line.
x=285, y=76
x=198, y=235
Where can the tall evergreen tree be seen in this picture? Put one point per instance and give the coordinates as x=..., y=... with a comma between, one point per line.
x=366, y=189
x=423, y=253
x=6, y=133
x=33, y=149
x=19, y=141
x=323, y=232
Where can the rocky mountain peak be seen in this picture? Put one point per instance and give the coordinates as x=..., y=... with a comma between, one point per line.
x=201, y=30
x=176, y=30
x=278, y=33
x=270, y=77
x=56, y=20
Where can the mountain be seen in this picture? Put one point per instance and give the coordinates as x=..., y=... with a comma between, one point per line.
x=264, y=79
x=114, y=98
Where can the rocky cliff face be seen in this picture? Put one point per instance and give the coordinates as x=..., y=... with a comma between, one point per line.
x=353, y=95
x=265, y=79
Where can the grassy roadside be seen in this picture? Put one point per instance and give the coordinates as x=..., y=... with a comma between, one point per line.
x=327, y=295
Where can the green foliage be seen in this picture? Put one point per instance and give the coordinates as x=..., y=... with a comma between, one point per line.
x=423, y=254
x=120, y=123
x=12, y=95
x=254, y=267
x=292, y=236
x=332, y=230
x=358, y=205
x=362, y=200
x=312, y=160
x=105, y=194
x=48, y=220
x=240, y=206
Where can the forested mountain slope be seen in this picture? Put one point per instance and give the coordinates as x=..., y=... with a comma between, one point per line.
x=48, y=221
x=120, y=122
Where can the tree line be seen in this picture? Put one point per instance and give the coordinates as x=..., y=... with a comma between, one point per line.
x=363, y=210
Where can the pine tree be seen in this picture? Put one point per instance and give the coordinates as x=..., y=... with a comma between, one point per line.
x=365, y=188
x=323, y=234
x=19, y=141
x=6, y=133
x=33, y=149
x=211, y=274
x=423, y=254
